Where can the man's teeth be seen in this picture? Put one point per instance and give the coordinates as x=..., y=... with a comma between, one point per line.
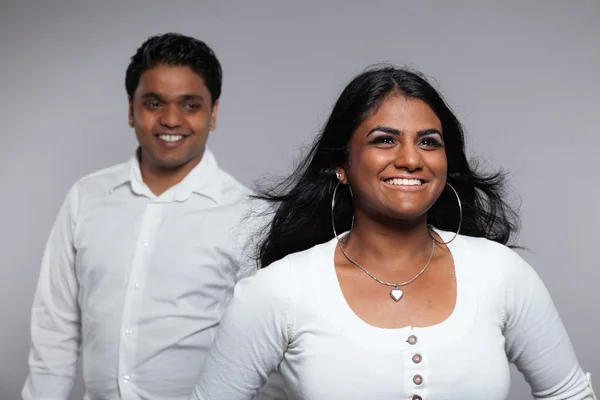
x=405, y=182
x=170, y=138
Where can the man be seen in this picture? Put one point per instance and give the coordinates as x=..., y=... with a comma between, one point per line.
x=142, y=259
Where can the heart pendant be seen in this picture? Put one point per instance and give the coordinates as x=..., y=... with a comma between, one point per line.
x=396, y=294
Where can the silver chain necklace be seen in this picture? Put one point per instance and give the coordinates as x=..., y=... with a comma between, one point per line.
x=396, y=293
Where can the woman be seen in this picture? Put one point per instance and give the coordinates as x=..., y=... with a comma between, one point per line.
x=399, y=304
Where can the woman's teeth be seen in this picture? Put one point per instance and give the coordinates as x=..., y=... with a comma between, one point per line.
x=404, y=182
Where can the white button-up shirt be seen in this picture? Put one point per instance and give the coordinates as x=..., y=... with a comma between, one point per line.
x=137, y=283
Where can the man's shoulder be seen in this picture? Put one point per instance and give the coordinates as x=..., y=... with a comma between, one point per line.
x=100, y=182
x=232, y=190
x=104, y=177
x=235, y=195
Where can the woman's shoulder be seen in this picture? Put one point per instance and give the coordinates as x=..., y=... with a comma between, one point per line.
x=291, y=270
x=485, y=246
x=499, y=260
x=308, y=259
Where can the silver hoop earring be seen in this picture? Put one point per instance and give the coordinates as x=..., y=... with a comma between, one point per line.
x=333, y=208
x=460, y=210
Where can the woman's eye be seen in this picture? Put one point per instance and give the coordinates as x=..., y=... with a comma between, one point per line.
x=431, y=142
x=387, y=140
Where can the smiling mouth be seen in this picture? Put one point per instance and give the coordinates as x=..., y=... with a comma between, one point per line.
x=171, y=138
x=404, y=182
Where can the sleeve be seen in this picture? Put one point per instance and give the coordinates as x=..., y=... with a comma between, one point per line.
x=252, y=224
x=274, y=389
x=536, y=339
x=55, y=321
x=252, y=337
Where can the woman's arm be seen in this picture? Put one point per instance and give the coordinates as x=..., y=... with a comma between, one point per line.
x=536, y=339
x=252, y=337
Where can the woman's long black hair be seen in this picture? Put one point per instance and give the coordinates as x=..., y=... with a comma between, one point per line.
x=302, y=201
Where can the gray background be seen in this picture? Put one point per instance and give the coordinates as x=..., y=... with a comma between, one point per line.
x=523, y=76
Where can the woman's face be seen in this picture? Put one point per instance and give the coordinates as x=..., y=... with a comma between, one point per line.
x=397, y=163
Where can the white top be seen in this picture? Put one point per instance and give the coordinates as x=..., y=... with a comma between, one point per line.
x=140, y=281
x=293, y=314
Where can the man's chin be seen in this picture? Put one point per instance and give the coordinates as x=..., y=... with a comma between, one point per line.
x=173, y=162
x=170, y=164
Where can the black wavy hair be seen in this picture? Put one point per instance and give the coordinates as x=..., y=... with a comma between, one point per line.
x=302, y=201
x=175, y=49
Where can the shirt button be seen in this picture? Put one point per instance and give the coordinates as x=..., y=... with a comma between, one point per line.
x=412, y=339
x=417, y=379
x=137, y=286
x=127, y=332
x=126, y=378
x=145, y=242
x=417, y=358
x=416, y=397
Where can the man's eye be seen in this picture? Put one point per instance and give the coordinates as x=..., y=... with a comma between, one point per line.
x=152, y=104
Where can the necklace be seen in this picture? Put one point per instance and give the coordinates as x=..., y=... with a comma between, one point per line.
x=396, y=293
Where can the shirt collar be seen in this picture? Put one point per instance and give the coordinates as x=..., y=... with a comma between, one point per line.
x=203, y=179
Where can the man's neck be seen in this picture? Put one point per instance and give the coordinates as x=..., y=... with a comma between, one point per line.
x=159, y=180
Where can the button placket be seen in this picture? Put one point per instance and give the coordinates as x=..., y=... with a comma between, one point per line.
x=416, y=368
x=418, y=380
x=133, y=295
x=417, y=358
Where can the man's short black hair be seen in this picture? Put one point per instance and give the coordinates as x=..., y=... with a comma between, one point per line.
x=174, y=49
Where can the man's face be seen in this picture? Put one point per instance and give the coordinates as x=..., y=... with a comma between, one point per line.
x=172, y=114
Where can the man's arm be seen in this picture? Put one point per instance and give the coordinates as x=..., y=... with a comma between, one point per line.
x=55, y=317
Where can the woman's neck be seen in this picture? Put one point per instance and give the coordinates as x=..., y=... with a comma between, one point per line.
x=394, y=247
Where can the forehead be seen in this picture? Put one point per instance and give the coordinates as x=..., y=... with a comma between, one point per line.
x=403, y=113
x=172, y=81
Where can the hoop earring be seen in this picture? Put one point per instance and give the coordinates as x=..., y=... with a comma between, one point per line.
x=460, y=220
x=333, y=208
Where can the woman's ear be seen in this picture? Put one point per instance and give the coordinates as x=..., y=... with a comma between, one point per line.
x=341, y=175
